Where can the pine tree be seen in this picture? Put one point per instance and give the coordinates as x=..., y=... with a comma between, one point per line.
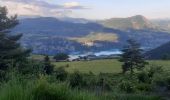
x=132, y=57
x=48, y=67
x=10, y=50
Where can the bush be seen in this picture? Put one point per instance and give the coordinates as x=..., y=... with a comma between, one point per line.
x=41, y=90
x=168, y=82
x=61, y=56
x=48, y=67
x=143, y=77
x=143, y=87
x=126, y=86
x=154, y=70
x=45, y=91
x=61, y=74
x=104, y=82
x=76, y=80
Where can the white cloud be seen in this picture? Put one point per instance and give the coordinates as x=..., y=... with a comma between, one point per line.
x=39, y=8
x=71, y=4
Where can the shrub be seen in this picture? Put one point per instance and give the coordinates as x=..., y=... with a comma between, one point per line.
x=76, y=80
x=168, y=82
x=45, y=91
x=126, y=86
x=143, y=87
x=154, y=70
x=143, y=77
x=61, y=56
x=48, y=67
x=61, y=74
x=104, y=83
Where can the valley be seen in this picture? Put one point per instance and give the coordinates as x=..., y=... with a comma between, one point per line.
x=79, y=50
x=62, y=35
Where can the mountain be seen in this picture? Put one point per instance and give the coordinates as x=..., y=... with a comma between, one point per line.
x=47, y=35
x=159, y=52
x=163, y=24
x=75, y=20
x=137, y=22
x=52, y=26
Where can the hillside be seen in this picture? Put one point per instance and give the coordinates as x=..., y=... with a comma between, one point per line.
x=159, y=52
x=97, y=37
x=163, y=24
x=137, y=22
x=47, y=35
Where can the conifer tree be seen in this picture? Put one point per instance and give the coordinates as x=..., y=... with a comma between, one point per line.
x=132, y=57
x=10, y=50
x=48, y=67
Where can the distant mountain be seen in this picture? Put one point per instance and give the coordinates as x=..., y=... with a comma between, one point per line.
x=75, y=20
x=27, y=16
x=163, y=24
x=47, y=35
x=52, y=26
x=137, y=22
x=159, y=52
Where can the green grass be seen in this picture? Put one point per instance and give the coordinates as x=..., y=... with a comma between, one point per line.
x=104, y=66
x=164, y=63
x=41, y=89
x=96, y=66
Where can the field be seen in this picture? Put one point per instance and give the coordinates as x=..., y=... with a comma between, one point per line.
x=97, y=37
x=104, y=66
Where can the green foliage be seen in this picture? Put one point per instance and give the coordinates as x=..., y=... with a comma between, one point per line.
x=165, y=57
x=144, y=87
x=126, y=86
x=45, y=91
x=136, y=97
x=41, y=90
x=143, y=77
x=15, y=90
x=61, y=74
x=48, y=67
x=11, y=53
x=132, y=57
x=76, y=80
x=61, y=56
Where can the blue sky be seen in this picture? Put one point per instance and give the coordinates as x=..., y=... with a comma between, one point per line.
x=95, y=9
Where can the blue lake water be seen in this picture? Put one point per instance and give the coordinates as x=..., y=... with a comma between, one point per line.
x=100, y=53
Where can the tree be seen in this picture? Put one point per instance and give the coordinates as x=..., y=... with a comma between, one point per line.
x=48, y=67
x=165, y=57
x=11, y=53
x=61, y=56
x=132, y=57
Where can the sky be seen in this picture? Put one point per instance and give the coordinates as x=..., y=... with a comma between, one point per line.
x=89, y=9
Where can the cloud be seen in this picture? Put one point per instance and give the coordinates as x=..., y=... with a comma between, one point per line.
x=73, y=5
x=40, y=8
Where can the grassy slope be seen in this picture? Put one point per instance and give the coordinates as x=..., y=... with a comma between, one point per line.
x=104, y=66
x=97, y=37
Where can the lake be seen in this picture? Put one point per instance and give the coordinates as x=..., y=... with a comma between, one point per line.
x=100, y=53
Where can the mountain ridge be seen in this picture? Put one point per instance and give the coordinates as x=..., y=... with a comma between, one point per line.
x=136, y=22
x=38, y=31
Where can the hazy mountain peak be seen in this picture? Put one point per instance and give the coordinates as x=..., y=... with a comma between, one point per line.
x=138, y=16
x=137, y=22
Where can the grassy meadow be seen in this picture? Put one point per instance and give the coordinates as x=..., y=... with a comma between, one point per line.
x=103, y=66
